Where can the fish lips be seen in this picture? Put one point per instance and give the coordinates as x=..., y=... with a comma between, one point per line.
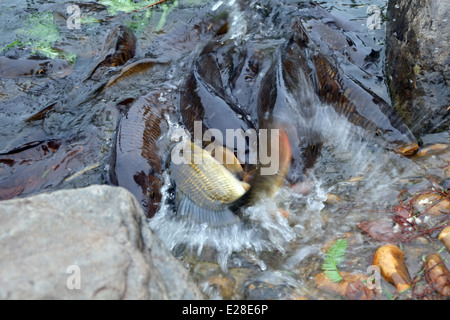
x=408, y=150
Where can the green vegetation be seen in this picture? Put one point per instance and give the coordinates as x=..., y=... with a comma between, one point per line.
x=14, y=44
x=334, y=256
x=142, y=11
x=40, y=29
x=40, y=34
x=116, y=6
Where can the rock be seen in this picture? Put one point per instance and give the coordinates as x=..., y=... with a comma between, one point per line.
x=418, y=37
x=444, y=236
x=259, y=290
x=352, y=286
x=432, y=203
x=437, y=274
x=94, y=237
x=390, y=259
x=447, y=171
x=332, y=199
x=225, y=285
x=241, y=276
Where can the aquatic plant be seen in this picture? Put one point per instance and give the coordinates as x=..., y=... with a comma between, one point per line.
x=141, y=20
x=116, y=6
x=334, y=256
x=40, y=34
x=16, y=43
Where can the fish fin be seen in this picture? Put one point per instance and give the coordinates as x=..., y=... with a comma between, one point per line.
x=190, y=211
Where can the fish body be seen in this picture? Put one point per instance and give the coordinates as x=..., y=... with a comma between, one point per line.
x=266, y=185
x=119, y=47
x=357, y=103
x=205, y=101
x=363, y=108
x=287, y=100
x=204, y=187
x=21, y=68
x=139, y=149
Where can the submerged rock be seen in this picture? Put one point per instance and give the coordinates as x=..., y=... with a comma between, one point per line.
x=97, y=233
x=352, y=287
x=390, y=259
x=444, y=236
x=418, y=35
x=437, y=274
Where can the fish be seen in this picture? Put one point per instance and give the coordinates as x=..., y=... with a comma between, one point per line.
x=204, y=100
x=204, y=187
x=37, y=165
x=22, y=68
x=133, y=69
x=363, y=108
x=357, y=103
x=139, y=147
x=287, y=100
x=245, y=77
x=266, y=185
x=119, y=47
x=187, y=38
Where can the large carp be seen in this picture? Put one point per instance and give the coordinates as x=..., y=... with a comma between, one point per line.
x=204, y=101
x=287, y=101
x=205, y=189
x=358, y=104
x=140, y=148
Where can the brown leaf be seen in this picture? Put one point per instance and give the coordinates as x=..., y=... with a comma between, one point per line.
x=390, y=259
x=382, y=230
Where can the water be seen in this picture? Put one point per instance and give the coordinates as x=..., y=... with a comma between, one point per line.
x=281, y=244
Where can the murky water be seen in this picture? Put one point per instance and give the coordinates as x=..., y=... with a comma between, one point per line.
x=280, y=246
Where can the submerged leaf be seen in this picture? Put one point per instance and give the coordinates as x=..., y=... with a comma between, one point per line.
x=41, y=28
x=40, y=34
x=116, y=6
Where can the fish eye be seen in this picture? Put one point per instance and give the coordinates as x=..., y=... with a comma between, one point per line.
x=152, y=194
x=378, y=132
x=248, y=78
x=313, y=147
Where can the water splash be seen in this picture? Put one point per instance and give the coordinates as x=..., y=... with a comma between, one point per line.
x=264, y=230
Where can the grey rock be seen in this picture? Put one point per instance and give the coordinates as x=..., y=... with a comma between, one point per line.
x=98, y=233
x=418, y=37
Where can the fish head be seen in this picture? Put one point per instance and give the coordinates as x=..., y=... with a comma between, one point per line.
x=154, y=196
x=389, y=130
x=151, y=195
x=397, y=141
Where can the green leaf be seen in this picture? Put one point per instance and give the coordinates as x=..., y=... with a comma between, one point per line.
x=139, y=22
x=40, y=34
x=334, y=256
x=14, y=44
x=166, y=10
x=41, y=28
x=116, y=6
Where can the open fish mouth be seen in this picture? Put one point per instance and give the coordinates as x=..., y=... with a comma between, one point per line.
x=408, y=150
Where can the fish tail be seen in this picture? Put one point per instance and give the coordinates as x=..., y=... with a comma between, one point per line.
x=190, y=211
x=285, y=153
